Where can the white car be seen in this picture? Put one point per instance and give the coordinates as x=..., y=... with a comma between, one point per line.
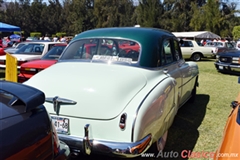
x=30, y=51
x=116, y=91
x=12, y=50
x=192, y=50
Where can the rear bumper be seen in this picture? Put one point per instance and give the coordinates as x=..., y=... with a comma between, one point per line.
x=117, y=149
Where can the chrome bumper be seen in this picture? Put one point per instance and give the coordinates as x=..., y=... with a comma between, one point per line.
x=227, y=67
x=119, y=149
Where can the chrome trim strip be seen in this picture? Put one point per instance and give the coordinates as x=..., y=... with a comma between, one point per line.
x=57, y=102
x=118, y=149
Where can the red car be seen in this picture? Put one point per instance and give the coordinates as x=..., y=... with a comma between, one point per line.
x=28, y=69
x=2, y=51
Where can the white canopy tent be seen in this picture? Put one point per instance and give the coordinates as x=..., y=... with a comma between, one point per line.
x=196, y=34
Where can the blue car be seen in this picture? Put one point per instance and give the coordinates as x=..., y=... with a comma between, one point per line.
x=26, y=130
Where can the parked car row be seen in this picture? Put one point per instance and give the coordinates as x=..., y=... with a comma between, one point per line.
x=127, y=79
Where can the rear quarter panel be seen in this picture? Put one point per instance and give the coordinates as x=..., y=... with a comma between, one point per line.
x=156, y=111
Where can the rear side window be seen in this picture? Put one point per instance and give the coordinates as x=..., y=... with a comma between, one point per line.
x=187, y=44
x=177, y=50
x=168, y=56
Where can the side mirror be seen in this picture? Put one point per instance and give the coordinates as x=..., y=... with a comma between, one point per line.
x=234, y=104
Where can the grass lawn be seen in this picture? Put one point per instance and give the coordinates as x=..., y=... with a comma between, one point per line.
x=199, y=126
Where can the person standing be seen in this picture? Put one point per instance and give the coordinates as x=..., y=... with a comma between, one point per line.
x=55, y=38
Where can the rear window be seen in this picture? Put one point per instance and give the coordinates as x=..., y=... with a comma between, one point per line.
x=102, y=49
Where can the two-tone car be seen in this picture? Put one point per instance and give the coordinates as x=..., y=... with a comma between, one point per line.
x=26, y=129
x=117, y=101
x=28, y=52
x=28, y=69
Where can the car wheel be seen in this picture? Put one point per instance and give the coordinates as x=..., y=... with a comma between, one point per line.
x=196, y=57
x=159, y=145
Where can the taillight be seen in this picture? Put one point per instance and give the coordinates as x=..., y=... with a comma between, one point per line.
x=122, y=123
x=56, y=143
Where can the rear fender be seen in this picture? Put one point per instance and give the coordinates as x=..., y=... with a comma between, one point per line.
x=157, y=111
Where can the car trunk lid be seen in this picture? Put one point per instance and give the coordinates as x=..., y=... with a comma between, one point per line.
x=100, y=91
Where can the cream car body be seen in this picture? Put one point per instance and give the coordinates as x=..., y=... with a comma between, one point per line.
x=110, y=93
x=191, y=50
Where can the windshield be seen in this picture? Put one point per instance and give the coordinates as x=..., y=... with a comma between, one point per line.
x=19, y=45
x=54, y=53
x=102, y=49
x=31, y=48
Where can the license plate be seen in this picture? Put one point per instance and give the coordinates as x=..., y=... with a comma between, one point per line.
x=61, y=124
x=220, y=67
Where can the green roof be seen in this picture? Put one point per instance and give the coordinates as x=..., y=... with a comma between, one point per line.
x=148, y=38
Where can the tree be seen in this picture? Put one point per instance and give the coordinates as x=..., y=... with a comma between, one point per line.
x=236, y=32
x=148, y=13
x=113, y=13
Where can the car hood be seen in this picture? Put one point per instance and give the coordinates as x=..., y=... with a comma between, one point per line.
x=100, y=91
x=232, y=53
x=39, y=64
x=23, y=57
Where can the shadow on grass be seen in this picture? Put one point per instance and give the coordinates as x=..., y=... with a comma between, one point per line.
x=231, y=73
x=183, y=134
x=203, y=60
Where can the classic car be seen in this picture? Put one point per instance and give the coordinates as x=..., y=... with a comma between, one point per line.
x=192, y=50
x=30, y=51
x=26, y=130
x=228, y=62
x=28, y=69
x=229, y=146
x=115, y=101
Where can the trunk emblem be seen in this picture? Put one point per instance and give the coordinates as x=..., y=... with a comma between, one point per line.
x=57, y=101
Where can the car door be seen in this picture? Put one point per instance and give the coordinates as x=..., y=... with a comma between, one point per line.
x=185, y=72
x=171, y=64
